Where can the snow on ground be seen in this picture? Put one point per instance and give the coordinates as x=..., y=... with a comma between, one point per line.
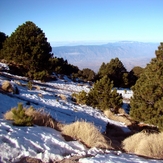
x=45, y=143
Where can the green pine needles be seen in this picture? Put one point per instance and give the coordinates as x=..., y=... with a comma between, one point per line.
x=102, y=96
x=147, y=101
x=20, y=118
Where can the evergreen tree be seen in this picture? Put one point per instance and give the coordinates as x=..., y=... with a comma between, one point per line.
x=61, y=66
x=147, y=101
x=134, y=75
x=2, y=39
x=114, y=70
x=103, y=96
x=28, y=47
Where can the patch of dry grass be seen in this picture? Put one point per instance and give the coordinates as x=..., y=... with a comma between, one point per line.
x=150, y=145
x=7, y=86
x=63, y=97
x=9, y=115
x=119, y=118
x=87, y=133
x=40, y=118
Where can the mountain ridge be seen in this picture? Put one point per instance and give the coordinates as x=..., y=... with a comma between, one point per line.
x=131, y=53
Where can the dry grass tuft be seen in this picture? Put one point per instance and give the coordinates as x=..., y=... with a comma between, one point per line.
x=119, y=118
x=87, y=133
x=38, y=87
x=41, y=118
x=7, y=86
x=18, y=82
x=63, y=97
x=121, y=111
x=9, y=115
x=150, y=145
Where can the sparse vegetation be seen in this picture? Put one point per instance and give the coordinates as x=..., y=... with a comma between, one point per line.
x=20, y=118
x=87, y=133
x=7, y=86
x=80, y=98
x=119, y=118
x=30, y=85
x=150, y=145
x=29, y=116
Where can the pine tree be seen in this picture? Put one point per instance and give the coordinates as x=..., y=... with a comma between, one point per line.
x=147, y=101
x=2, y=39
x=103, y=96
x=28, y=47
x=114, y=70
x=20, y=118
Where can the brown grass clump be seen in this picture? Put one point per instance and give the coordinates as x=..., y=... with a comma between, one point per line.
x=150, y=145
x=63, y=97
x=41, y=118
x=87, y=133
x=9, y=115
x=7, y=86
x=121, y=111
x=120, y=118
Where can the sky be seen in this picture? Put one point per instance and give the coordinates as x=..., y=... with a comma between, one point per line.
x=87, y=20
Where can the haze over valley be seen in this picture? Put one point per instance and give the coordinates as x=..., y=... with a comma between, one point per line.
x=131, y=53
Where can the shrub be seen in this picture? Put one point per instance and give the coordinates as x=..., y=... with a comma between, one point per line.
x=41, y=118
x=86, y=133
x=38, y=117
x=150, y=145
x=9, y=115
x=81, y=97
x=63, y=97
x=20, y=118
x=120, y=118
x=30, y=85
x=7, y=86
x=103, y=96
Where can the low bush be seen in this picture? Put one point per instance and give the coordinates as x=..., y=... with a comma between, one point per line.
x=120, y=118
x=63, y=97
x=9, y=115
x=145, y=144
x=20, y=118
x=87, y=133
x=80, y=98
x=7, y=86
x=30, y=85
x=29, y=116
x=41, y=118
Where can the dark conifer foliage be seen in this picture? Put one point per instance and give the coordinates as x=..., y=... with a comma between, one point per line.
x=147, y=101
x=116, y=71
x=85, y=74
x=134, y=75
x=28, y=47
x=2, y=39
x=61, y=66
x=103, y=96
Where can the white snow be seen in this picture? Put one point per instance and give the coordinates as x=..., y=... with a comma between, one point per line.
x=46, y=143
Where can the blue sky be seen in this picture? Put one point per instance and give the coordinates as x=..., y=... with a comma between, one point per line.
x=87, y=20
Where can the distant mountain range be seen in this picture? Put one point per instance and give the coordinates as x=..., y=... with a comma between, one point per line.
x=131, y=54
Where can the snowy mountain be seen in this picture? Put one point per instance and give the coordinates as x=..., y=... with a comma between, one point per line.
x=47, y=144
x=91, y=56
